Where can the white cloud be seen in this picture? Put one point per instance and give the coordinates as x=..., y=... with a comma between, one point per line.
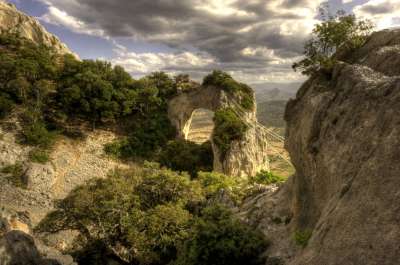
x=384, y=13
x=139, y=64
x=58, y=17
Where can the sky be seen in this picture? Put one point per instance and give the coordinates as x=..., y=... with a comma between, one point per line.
x=256, y=41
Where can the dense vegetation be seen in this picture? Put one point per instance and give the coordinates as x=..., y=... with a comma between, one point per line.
x=241, y=91
x=339, y=32
x=59, y=94
x=146, y=215
x=181, y=155
x=155, y=216
x=228, y=127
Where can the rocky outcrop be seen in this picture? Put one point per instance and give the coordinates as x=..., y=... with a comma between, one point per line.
x=245, y=157
x=72, y=163
x=14, y=21
x=343, y=136
x=18, y=248
x=344, y=140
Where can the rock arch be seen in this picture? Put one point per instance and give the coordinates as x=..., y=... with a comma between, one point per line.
x=245, y=157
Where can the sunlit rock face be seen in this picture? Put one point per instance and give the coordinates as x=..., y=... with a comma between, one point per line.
x=16, y=22
x=344, y=140
x=343, y=136
x=245, y=157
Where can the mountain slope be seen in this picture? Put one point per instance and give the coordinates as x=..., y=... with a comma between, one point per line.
x=14, y=21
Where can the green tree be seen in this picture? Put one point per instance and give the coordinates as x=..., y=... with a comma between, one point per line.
x=339, y=32
x=218, y=238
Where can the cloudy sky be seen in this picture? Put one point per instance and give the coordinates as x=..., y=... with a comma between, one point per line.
x=255, y=40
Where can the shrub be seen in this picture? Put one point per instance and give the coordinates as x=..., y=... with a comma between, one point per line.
x=301, y=237
x=228, y=128
x=186, y=156
x=218, y=238
x=38, y=155
x=266, y=178
x=224, y=81
x=337, y=32
x=16, y=174
x=6, y=105
x=36, y=134
x=213, y=183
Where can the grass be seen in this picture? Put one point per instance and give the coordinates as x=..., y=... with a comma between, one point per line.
x=38, y=155
x=301, y=237
x=15, y=174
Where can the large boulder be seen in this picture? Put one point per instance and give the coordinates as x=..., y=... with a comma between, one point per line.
x=343, y=136
x=18, y=248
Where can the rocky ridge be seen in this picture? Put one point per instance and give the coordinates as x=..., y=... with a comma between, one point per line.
x=14, y=21
x=343, y=137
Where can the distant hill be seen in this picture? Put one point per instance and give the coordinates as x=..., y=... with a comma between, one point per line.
x=271, y=102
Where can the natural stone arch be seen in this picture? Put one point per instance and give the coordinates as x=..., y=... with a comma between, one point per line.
x=245, y=157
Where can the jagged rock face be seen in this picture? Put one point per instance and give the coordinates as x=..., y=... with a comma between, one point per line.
x=245, y=157
x=343, y=136
x=14, y=21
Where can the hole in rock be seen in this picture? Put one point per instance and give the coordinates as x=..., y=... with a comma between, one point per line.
x=200, y=127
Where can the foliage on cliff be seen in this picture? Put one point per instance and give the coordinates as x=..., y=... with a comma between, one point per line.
x=153, y=216
x=228, y=128
x=339, y=32
x=242, y=92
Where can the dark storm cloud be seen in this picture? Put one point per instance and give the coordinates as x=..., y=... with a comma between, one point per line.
x=383, y=8
x=179, y=24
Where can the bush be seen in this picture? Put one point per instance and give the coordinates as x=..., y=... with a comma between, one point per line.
x=213, y=183
x=224, y=81
x=181, y=155
x=6, y=105
x=165, y=186
x=339, y=32
x=38, y=155
x=228, y=128
x=36, y=134
x=301, y=237
x=218, y=238
x=139, y=216
x=16, y=174
x=266, y=178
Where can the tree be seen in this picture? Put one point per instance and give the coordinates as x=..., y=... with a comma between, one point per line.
x=336, y=32
x=218, y=238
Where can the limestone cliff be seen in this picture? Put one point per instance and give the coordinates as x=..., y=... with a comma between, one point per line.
x=245, y=157
x=14, y=21
x=343, y=136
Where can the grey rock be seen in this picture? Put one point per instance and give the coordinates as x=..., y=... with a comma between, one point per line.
x=344, y=140
x=18, y=248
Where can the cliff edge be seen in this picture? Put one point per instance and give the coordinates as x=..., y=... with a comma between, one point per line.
x=344, y=140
